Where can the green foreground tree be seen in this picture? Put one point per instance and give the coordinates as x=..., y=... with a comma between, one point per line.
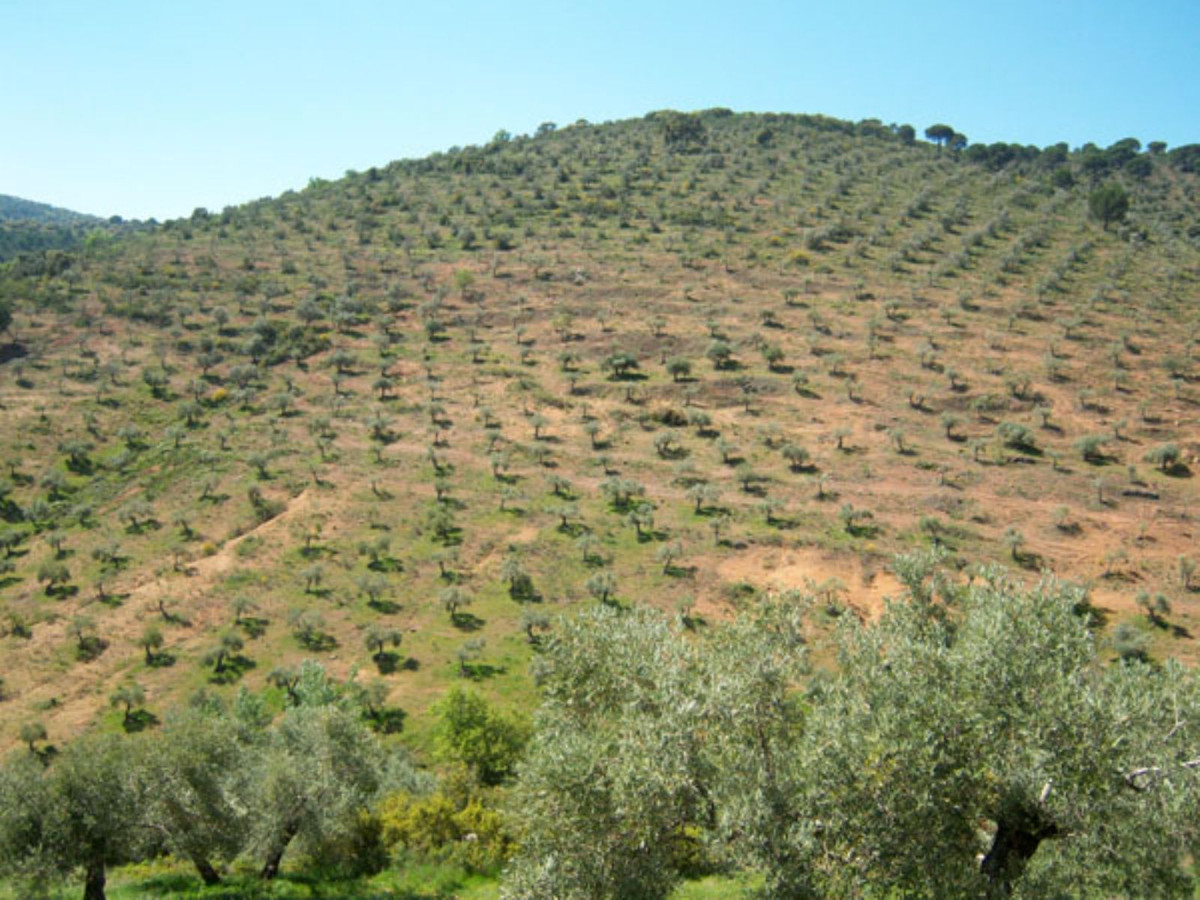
x=971, y=743
x=80, y=814
x=317, y=769
x=192, y=783
x=213, y=784
x=469, y=731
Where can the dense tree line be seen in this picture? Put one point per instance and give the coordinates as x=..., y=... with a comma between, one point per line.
x=29, y=228
x=18, y=238
x=20, y=210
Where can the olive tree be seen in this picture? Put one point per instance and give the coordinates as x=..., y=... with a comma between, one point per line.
x=1108, y=203
x=636, y=724
x=130, y=695
x=377, y=637
x=192, y=781
x=313, y=772
x=970, y=742
x=604, y=788
x=1000, y=713
x=78, y=814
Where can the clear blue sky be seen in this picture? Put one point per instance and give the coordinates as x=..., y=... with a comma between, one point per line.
x=153, y=107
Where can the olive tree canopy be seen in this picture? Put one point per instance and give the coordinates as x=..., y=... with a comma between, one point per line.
x=970, y=742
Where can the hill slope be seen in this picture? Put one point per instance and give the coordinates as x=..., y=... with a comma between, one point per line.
x=672, y=360
x=30, y=227
x=19, y=209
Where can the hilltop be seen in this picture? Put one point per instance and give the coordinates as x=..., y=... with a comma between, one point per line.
x=678, y=360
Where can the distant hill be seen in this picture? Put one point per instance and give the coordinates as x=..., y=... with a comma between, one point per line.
x=27, y=226
x=20, y=209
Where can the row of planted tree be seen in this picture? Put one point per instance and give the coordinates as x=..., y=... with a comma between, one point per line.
x=977, y=739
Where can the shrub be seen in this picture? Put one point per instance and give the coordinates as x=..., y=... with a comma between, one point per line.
x=469, y=731
x=464, y=830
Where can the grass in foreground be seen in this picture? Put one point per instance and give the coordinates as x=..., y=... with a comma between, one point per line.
x=416, y=881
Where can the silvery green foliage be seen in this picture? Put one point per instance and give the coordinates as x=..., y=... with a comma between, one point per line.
x=302, y=777
x=79, y=813
x=315, y=769
x=610, y=777
x=754, y=717
x=637, y=721
x=970, y=743
x=213, y=783
x=25, y=813
x=191, y=781
x=945, y=745
x=314, y=687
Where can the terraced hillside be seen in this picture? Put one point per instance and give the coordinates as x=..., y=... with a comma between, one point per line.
x=677, y=360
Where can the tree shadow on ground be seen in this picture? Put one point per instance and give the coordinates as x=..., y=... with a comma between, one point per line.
x=254, y=627
x=232, y=670
x=386, y=662
x=387, y=607
x=465, y=621
x=90, y=648
x=478, y=671
x=139, y=720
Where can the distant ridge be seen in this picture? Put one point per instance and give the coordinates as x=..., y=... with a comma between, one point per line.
x=20, y=209
x=29, y=228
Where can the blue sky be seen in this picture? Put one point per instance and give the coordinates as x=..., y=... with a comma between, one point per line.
x=154, y=108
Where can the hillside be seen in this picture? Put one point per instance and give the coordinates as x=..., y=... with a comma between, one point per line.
x=19, y=209
x=676, y=360
x=30, y=228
